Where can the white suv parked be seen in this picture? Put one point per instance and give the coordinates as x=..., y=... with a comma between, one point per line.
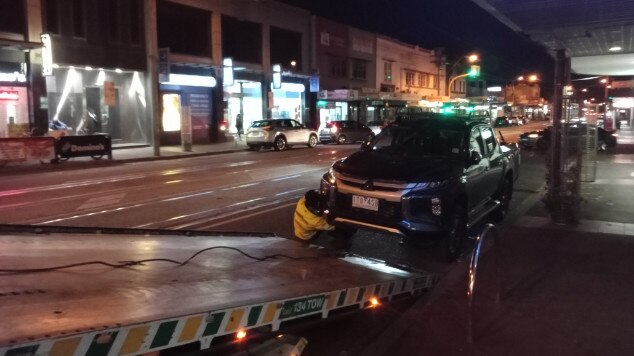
x=279, y=134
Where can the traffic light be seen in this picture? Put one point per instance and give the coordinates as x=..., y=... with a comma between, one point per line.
x=475, y=71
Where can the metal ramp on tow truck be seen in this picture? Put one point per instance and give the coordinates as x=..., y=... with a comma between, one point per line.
x=130, y=292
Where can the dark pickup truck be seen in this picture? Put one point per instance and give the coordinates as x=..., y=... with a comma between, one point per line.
x=429, y=176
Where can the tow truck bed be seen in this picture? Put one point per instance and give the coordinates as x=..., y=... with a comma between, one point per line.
x=99, y=310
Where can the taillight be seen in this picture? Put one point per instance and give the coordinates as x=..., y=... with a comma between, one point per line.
x=333, y=128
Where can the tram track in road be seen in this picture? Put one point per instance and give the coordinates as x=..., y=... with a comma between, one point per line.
x=183, y=219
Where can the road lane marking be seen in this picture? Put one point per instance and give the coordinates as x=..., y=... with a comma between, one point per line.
x=74, y=184
x=289, y=191
x=239, y=186
x=242, y=217
x=101, y=201
x=189, y=196
x=285, y=178
x=632, y=174
x=245, y=163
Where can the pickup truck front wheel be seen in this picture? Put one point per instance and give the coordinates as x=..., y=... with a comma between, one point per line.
x=449, y=246
x=504, y=197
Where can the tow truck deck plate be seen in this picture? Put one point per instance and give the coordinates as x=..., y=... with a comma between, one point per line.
x=158, y=305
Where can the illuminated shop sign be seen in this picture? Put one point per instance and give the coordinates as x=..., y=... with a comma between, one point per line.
x=227, y=71
x=277, y=76
x=191, y=80
x=47, y=55
x=13, y=77
x=9, y=95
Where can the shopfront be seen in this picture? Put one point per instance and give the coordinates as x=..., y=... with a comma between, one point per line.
x=187, y=100
x=335, y=105
x=86, y=101
x=289, y=102
x=243, y=98
x=14, y=94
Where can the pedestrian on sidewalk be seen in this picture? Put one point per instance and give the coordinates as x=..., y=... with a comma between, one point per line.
x=239, y=127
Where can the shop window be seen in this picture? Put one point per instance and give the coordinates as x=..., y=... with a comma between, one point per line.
x=338, y=67
x=387, y=70
x=51, y=16
x=241, y=40
x=79, y=19
x=359, y=69
x=108, y=101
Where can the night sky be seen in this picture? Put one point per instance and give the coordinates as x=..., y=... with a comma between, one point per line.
x=460, y=26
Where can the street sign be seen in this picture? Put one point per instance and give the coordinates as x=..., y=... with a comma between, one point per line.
x=314, y=84
x=164, y=65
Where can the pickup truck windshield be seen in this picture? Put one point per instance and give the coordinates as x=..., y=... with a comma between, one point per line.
x=428, y=140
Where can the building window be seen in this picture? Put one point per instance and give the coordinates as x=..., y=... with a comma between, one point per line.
x=387, y=69
x=410, y=78
x=422, y=80
x=135, y=21
x=432, y=81
x=359, y=69
x=13, y=17
x=241, y=40
x=51, y=8
x=338, y=67
x=79, y=19
x=177, y=23
x=286, y=48
x=113, y=20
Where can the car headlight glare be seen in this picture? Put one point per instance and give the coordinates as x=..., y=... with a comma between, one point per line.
x=331, y=176
x=533, y=135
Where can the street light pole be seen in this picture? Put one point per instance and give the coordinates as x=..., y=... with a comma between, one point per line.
x=471, y=58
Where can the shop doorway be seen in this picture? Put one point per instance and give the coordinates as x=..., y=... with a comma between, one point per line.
x=244, y=98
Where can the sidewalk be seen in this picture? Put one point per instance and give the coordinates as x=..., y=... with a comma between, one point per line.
x=130, y=154
x=565, y=290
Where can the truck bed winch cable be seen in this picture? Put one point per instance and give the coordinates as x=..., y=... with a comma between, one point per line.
x=124, y=264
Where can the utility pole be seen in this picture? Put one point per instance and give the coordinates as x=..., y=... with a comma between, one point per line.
x=151, y=80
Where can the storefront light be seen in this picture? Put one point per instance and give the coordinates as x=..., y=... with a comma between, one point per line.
x=191, y=80
x=71, y=77
x=101, y=77
x=136, y=88
x=292, y=87
x=88, y=68
x=118, y=70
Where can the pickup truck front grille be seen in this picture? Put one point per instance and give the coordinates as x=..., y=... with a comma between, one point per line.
x=377, y=184
x=387, y=209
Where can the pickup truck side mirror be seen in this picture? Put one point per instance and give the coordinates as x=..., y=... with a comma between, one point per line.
x=474, y=158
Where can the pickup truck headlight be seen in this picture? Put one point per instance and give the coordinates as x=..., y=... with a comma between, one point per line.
x=430, y=185
x=331, y=176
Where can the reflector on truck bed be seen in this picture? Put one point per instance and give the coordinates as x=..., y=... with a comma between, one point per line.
x=243, y=282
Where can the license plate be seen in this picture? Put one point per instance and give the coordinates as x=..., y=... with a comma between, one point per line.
x=365, y=202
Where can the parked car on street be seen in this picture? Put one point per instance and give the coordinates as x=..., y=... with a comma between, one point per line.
x=344, y=132
x=501, y=121
x=541, y=139
x=423, y=178
x=279, y=134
